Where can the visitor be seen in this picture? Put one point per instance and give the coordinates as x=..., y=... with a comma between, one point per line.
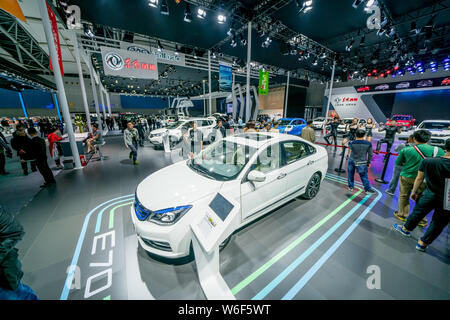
x=219, y=131
x=436, y=173
x=20, y=142
x=411, y=158
x=130, y=137
x=4, y=150
x=195, y=139
x=333, y=125
x=54, y=138
x=360, y=157
x=275, y=128
x=11, y=286
x=38, y=151
x=231, y=121
x=389, y=138
x=308, y=132
x=141, y=132
x=350, y=132
x=95, y=139
x=397, y=168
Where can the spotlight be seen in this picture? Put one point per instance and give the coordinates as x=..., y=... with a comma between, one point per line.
x=177, y=52
x=160, y=47
x=201, y=13
x=315, y=62
x=369, y=3
x=243, y=41
x=305, y=6
x=153, y=3
x=356, y=3
x=187, y=13
x=164, y=8
x=233, y=42
x=221, y=18
x=88, y=31
x=323, y=55
x=348, y=48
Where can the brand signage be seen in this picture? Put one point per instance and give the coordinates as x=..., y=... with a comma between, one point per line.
x=128, y=64
x=55, y=33
x=263, y=82
x=225, y=77
x=163, y=56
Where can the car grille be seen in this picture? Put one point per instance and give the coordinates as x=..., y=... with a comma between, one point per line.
x=142, y=212
x=160, y=245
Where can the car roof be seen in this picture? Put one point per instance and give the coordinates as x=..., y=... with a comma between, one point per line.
x=436, y=120
x=292, y=119
x=268, y=137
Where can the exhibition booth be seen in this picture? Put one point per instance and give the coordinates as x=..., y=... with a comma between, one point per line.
x=193, y=154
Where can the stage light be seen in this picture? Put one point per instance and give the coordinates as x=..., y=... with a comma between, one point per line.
x=418, y=64
x=164, y=8
x=315, y=62
x=187, y=13
x=370, y=3
x=349, y=47
x=242, y=40
x=433, y=69
x=356, y=3
x=177, y=52
x=221, y=18
x=160, y=47
x=374, y=71
x=201, y=13
x=233, y=42
x=153, y=3
x=305, y=6
x=446, y=60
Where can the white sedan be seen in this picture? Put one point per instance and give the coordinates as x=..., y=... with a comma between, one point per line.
x=261, y=171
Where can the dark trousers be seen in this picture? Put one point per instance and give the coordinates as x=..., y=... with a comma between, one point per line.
x=332, y=135
x=133, y=150
x=25, y=166
x=426, y=203
x=389, y=144
x=363, y=174
x=2, y=162
x=45, y=170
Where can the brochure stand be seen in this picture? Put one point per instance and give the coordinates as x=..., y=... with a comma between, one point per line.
x=220, y=219
x=165, y=139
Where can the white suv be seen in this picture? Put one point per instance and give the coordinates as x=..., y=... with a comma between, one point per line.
x=176, y=130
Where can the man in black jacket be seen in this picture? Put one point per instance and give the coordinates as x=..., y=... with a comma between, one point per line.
x=20, y=142
x=11, y=287
x=4, y=149
x=38, y=150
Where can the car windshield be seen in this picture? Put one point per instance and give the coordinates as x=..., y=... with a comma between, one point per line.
x=174, y=125
x=319, y=119
x=223, y=160
x=348, y=121
x=284, y=122
x=401, y=118
x=435, y=125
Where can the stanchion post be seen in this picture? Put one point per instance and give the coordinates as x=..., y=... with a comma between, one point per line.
x=381, y=179
x=340, y=170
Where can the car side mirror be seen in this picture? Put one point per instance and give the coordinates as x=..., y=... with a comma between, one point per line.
x=256, y=176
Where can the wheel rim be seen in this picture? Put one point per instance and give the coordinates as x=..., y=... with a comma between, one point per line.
x=314, y=185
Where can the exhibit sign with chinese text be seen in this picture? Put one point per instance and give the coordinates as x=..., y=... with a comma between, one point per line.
x=129, y=64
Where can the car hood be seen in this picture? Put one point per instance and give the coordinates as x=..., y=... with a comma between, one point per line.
x=158, y=131
x=175, y=185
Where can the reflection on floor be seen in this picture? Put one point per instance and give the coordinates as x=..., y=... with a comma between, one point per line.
x=315, y=249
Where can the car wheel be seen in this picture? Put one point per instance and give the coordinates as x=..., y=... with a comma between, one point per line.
x=172, y=143
x=312, y=189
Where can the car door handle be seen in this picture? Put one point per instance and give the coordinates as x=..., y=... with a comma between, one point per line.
x=281, y=176
x=310, y=162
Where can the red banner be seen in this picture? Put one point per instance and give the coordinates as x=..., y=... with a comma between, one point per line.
x=52, y=17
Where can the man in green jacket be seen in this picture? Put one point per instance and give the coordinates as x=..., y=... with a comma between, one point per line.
x=411, y=158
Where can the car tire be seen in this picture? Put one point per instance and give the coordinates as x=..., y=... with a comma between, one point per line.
x=172, y=143
x=313, y=186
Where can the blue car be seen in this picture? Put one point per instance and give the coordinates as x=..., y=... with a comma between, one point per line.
x=292, y=125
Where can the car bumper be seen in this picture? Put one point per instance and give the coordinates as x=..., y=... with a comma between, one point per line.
x=157, y=141
x=438, y=141
x=172, y=241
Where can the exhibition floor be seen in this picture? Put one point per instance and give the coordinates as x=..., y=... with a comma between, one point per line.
x=318, y=249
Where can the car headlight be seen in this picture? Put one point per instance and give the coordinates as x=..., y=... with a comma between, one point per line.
x=169, y=215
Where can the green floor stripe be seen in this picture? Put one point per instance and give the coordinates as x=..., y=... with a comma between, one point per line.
x=107, y=298
x=111, y=213
x=296, y=242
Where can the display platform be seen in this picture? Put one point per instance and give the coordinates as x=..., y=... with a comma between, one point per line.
x=325, y=248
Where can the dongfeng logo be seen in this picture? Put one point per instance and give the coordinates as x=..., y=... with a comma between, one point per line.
x=338, y=100
x=138, y=49
x=114, y=61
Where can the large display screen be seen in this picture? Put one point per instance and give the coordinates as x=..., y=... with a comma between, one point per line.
x=221, y=206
